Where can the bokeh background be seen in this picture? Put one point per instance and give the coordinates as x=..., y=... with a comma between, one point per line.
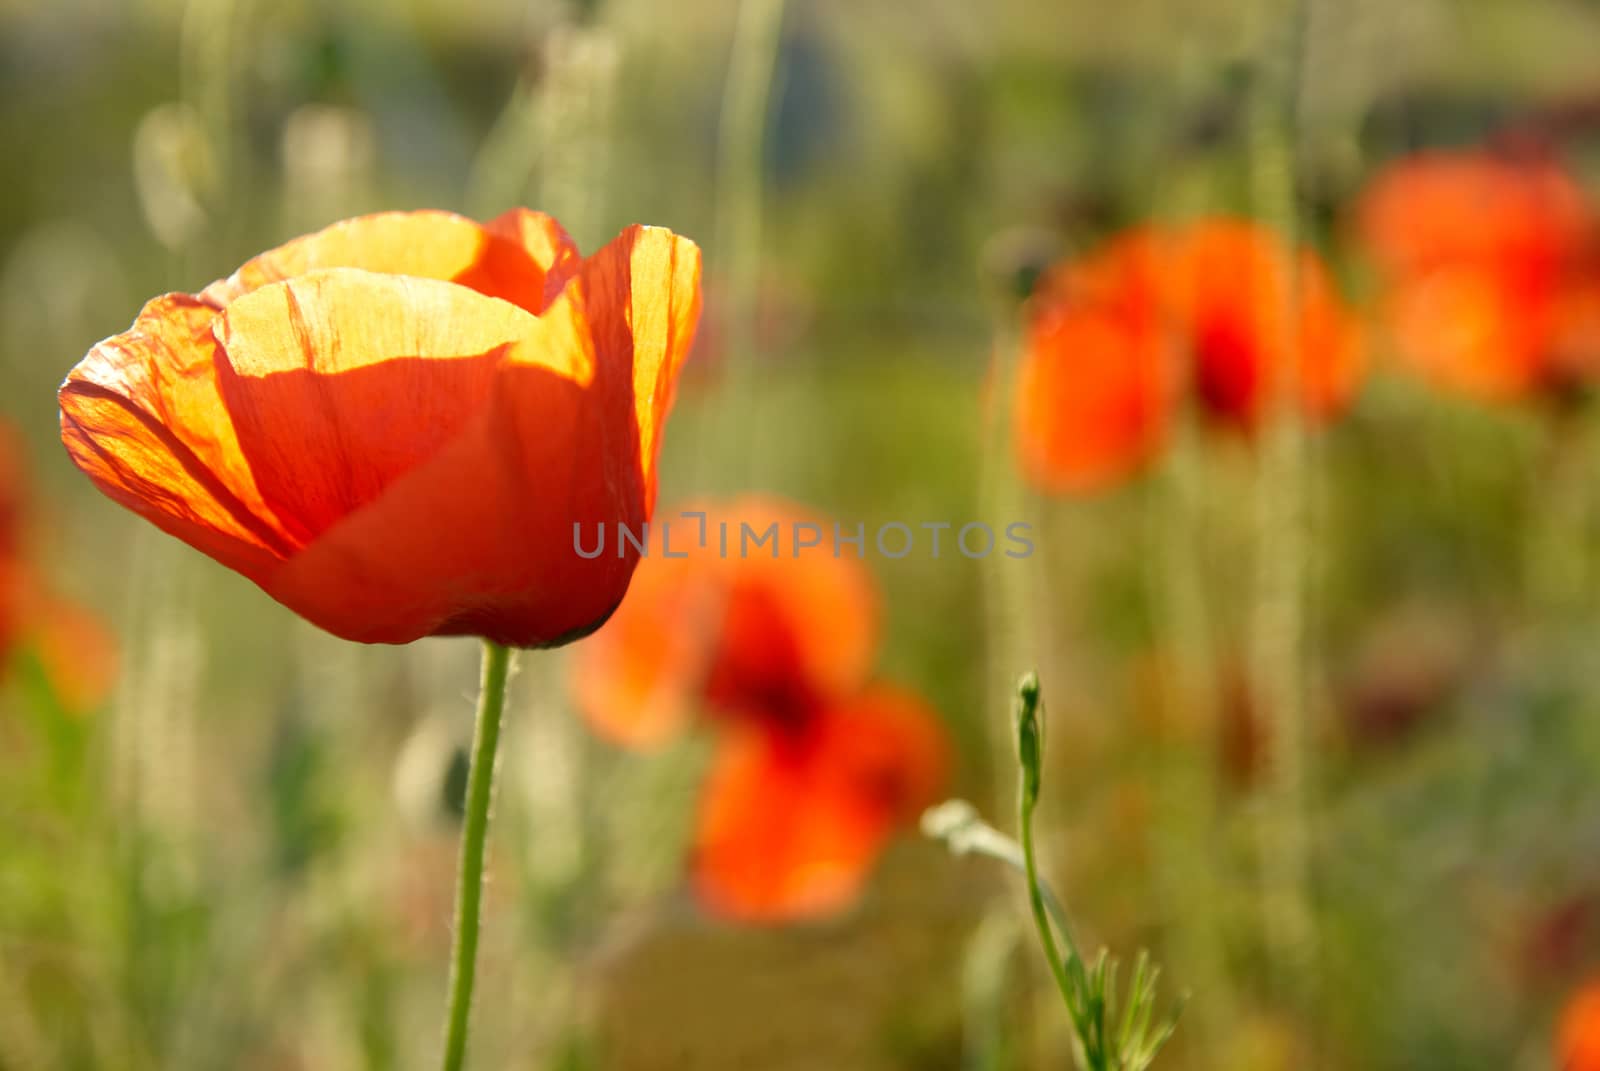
x=227, y=840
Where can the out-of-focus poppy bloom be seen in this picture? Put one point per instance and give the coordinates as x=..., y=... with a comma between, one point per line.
x=1251, y=311
x=1093, y=402
x=816, y=764
x=1437, y=209
x=392, y=425
x=1220, y=306
x=1096, y=384
x=1578, y=1032
x=76, y=654
x=11, y=568
x=1490, y=271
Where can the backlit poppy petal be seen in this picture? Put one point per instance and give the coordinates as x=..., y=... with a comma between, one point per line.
x=451, y=535
x=643, y=295
x=509, y=259
x=545, y=242
x=790, y=824
x=142, y=415
x=318, y=372
x=1094, y=400
x=403, y=452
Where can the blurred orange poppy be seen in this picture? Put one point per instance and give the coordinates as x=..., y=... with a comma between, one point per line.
x=1097, y=382
x=1578, y=1032
x=75, y=653
x=11, y=509
x=815, y=766
x=1219, y=305
x=392, y=425
x=1246, y=306
x=1490, y=271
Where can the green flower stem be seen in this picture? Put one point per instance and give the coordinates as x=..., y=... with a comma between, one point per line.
x=1065, y=980
x=469, y=877
x=1070, y=975
x=1089, y=992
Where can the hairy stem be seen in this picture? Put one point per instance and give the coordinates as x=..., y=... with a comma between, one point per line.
x=469, y=876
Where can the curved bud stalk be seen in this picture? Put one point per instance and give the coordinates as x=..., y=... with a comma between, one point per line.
x=1114, y=1030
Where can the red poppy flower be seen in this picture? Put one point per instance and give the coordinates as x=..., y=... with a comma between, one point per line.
x=1096, y=383
x=1433, y=210
x=1489, y=269
x=1246, y=306
x=11, y=567
x=792, y=819
x=816, y=766
x=1112, y=338
x=1093, y=399
x=76, y=654
x=1578, y=1032
x=392, y=425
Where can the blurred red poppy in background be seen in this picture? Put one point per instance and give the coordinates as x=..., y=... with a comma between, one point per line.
x=1251, y=311
x=1578, y=1031
x=75, y=653
x=1220, y=306
x=392, y=425
x=816, y=764
x=1491, y=272
x=11, y=510
x=1097, y=380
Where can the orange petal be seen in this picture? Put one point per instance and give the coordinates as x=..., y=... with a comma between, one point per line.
x=142, y=416
x=509, y=259
x=1331, y=340
x=545, y=242
x=1471, y=329
x=824, y=611
x=1245, y=307
x=11, y=608
x=78, y=653
x=732, y=630
x=1130, y=276
x=637, y=679
x=1094, y=400
x=340, y=381
x=1578, y=1032
x=791, y=822
x=401, y=452
x=642, y=295
x=1437, y=209
x=1574, y=345
x=463, y=524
